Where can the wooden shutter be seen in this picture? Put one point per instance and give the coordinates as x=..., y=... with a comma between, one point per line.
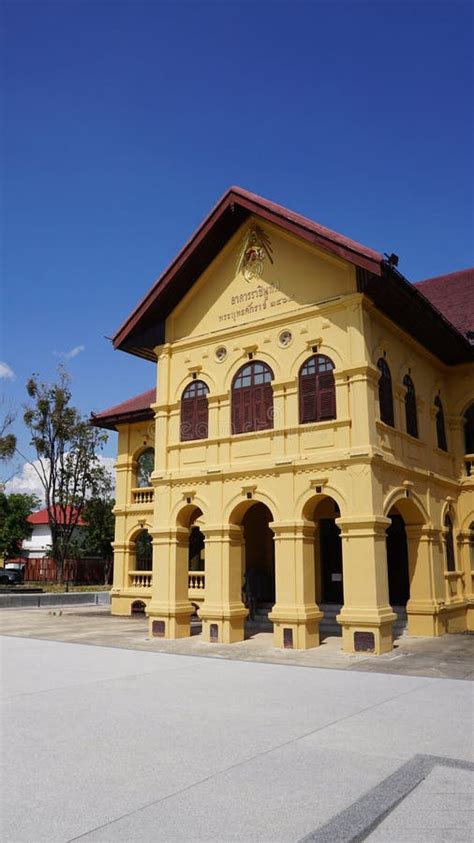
x=326, y=396
x=201, y=418
x=450, y=559
x=440, y=428
x=385, y=394
x=308, y=408
x=187, y=419
x=410, y=408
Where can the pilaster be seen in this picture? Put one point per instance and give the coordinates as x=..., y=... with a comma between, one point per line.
x=169, y=610
x=223, y=614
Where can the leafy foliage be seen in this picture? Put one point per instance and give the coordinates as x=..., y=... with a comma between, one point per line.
x=7, y=440
x=14, y=527
x=98, y=534
x=67, y=463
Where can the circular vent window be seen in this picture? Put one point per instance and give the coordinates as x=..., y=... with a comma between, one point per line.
x=221, y=353
x=285, y=338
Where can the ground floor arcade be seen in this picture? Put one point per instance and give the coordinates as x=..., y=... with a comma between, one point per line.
x=250, y=558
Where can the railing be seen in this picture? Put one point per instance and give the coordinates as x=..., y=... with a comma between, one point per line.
x=140, y=579
x=145, y=495
x=469, y=463
x=196, y=580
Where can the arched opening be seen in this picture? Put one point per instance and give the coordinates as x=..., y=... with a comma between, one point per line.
x=192, y=548
x=411, y=416
x=137, y=607
x=385, y=393
x=397, y=560
x=259, y=561
x=469, y=439
x=143, y=551
x=145, y=466
x=450, y=558
x=194, y=412
x=440, y=425
x=317, y=389
x=329, y=580
x=252, y=398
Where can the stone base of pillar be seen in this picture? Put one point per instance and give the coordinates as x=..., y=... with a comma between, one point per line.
x=426, y=618
x=294, y=629
x=367, y=630
x=223, y=624
x=456, y=620
x=470, y=614
x=166, y=622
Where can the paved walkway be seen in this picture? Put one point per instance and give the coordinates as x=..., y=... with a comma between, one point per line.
x=108, y=744
x=450, y=656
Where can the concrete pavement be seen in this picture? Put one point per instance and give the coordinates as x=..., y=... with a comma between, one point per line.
x=108, y=744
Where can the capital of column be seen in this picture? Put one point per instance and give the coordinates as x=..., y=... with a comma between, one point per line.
x=293, y=529
x=364, y=525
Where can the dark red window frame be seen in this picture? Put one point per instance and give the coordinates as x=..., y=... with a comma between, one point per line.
x=317, y=389
x=252, y=398
x=385, y=393
x=411, y=415
x=194, y=412
x=469, y=430
x=440, y=425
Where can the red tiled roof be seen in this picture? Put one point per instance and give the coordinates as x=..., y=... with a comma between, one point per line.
x=135, y=409
x=41, y=517
x=453, y=296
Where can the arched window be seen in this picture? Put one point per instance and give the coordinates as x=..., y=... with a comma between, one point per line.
x=469, y=430
x=145, y=466
x=410, y=407
x=440, y=428
x=252, y=398
x=317, y=389
x=449, y=540
x=194, y=412
x=143, y=551
x=385, y=393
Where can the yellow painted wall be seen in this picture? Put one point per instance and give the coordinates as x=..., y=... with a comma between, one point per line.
x=362, y=464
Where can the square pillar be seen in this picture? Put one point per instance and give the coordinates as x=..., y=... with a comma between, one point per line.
x=426, y=610
x=169, y=610
x=223, y=614
x=295, y=615
x=366, y=617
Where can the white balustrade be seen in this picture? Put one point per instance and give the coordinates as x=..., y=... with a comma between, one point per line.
x=196, y=580
x=140, y=579
x=145, y=495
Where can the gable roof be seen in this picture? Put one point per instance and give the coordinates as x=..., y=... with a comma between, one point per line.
x=41, y=517
x=453, y=296
x=145, y=325
x=135, y=409
x=391, y=293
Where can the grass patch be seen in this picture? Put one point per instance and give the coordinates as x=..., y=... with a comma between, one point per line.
x=56, y=588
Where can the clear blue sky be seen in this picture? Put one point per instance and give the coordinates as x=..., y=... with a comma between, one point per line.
x=126, y=121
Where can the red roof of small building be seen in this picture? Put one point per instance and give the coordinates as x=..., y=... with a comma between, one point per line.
x=453, y=296
x=41, y=517
x=137, y=408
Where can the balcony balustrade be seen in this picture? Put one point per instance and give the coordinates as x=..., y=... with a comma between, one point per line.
x=140, y=579
x=143, y=495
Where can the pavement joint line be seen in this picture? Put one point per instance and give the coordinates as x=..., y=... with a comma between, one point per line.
x=242, y=763
x=355, y=823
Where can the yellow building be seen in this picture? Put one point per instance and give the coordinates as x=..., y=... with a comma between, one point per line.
x=308, y=444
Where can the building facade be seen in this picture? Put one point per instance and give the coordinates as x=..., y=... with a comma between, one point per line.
x=309, y=440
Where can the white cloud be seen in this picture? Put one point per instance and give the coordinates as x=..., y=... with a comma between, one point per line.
x=69, y=355
x=6, y=372
x=26, y=480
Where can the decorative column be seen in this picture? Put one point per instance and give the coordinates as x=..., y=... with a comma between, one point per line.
x=295, y=615
x=466, y=558
x=426, y=607
x=223, y=614
x=169, y=610
x=123, y=552
x=366, y=617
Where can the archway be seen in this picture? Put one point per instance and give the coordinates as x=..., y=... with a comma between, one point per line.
x=397, y=560
x=403, y=549
x=323, y=511
x=259, y=556
x=143, y=551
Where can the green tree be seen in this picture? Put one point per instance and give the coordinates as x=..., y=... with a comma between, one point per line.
x=67, y=460
x=98, y=535
x=14, y=526
x=7, y=440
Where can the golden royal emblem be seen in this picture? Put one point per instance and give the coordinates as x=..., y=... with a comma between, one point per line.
x=255, y=248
